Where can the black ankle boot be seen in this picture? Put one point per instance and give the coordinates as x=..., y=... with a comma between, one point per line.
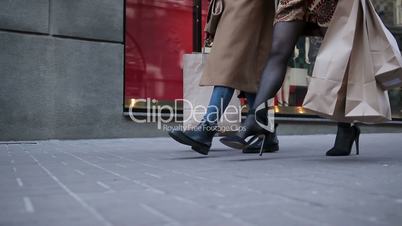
x=199, y=138
x=345, y=137
x=270, y=145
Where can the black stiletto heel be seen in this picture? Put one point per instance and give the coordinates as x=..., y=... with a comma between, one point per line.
x=253, y=131
x=270, y=145
x=264, y=138
x=345, y=137
x=357, y=129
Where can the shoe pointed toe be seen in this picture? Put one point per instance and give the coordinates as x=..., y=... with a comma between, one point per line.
x=234, y=142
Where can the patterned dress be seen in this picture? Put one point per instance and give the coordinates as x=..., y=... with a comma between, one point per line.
x=318, y=12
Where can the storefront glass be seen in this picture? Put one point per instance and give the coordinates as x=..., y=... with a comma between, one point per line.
x=159, y=32
x=390, y=12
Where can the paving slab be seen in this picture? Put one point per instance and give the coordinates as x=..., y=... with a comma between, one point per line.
x=155, y=181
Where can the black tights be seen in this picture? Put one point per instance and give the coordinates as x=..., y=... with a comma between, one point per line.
x=285, y=37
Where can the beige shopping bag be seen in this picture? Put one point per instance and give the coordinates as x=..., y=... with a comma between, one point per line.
x=384, y=49
x=196, y=98
x=327, y=91
x=344, y=86
x=365, y=101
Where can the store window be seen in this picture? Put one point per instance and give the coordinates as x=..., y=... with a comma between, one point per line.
x=390, y=12
x=159, y=32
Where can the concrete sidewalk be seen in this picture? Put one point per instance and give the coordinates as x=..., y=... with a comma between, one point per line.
x=159, y=182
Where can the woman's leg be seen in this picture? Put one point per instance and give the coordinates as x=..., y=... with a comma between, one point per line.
x=285, y=36
x=272, y=143
x=218, y=103
x=346, y=135
x=344, y=124
x=200, y=138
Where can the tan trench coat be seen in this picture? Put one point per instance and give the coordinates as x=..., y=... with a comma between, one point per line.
x=241, y=45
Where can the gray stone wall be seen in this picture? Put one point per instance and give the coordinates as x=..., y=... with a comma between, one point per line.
x=61, y=70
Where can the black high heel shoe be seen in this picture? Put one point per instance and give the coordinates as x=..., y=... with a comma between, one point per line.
x=271, y=144
x=345, y=138
x=253, y=132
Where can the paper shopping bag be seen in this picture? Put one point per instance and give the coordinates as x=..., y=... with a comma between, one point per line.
x=365, y=101
x=196, y=98
x=327, y=89
x=384, y=49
